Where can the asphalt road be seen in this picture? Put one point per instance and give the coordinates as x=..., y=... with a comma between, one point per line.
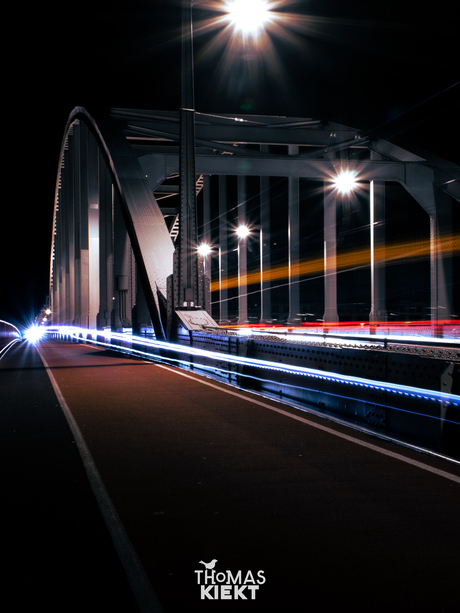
x=300, y=514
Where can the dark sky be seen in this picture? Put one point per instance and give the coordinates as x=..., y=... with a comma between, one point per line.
x=361, y=63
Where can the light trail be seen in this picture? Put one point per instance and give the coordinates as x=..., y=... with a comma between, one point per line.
x=4, y=350
x=160, y=353
x=128, y=343
x=8, y=331
x=388, y=254
x=377, y=331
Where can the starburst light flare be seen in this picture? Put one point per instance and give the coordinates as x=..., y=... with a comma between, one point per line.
x=248, y=16
x=345, y=182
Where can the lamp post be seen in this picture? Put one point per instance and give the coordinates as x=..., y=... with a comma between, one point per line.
x=249, y=17
x=204, y=293
x=185, y=265
x=378, y=310
x=344, y=183
x=293, y=245
x=204, y=249
x=242, y=233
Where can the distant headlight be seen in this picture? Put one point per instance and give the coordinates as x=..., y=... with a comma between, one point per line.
x=35, y=333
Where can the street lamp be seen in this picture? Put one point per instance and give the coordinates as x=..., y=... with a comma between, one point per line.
x=248, y=16
x=242, y=233
x=204, y=249
x=345, y=181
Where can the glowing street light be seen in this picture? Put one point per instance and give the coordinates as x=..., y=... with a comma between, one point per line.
x=345, y=182
x=248, y=16
x=242, y=232
x=204, y=249
x=35, y=333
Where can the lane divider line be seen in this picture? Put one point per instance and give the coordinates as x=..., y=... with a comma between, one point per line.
x=391, y=454
x=140, y=584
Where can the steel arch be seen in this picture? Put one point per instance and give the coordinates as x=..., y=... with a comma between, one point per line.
x=149, y=236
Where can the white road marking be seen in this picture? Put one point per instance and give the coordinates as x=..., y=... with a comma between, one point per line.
x=140, y=584
x=391, y=454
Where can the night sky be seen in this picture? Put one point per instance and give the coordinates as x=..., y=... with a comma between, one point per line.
x=386, y=65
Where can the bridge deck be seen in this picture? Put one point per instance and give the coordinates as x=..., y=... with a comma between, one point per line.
x=196, y=471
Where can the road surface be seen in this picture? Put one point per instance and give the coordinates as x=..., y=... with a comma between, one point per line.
x=300, y=513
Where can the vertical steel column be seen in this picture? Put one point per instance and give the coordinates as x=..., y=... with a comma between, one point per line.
x=242, y=255
x=83, y=282
x=206, y=234
x=66, y=205
x=105, y=245
x=58, y=314
x=330, y=255
x=223, y=251
x=293, y=245
x=377, y=240
x=187, y=264
x=69, y=239
x=441, y=260
x=121, y=269
x=265, y=297
x=204, y=262
x=74, y=160
x=92, y=162
x=141, y=316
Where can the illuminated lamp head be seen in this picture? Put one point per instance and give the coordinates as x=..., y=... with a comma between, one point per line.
x=242, y=231
x=345, y=182
x=248, y=16
x=204, y=249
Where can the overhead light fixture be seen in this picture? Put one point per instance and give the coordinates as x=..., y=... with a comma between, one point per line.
x=345, y=182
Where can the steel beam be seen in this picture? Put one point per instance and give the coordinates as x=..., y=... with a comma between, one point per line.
x=273, y=166
x=293, y=245
x=265, y=260
x=242, y=255
x=330, y=255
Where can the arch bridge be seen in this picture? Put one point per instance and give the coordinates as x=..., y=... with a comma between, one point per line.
x=125, y=258
x=124, y=251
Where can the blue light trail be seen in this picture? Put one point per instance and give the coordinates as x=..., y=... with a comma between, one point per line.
x=351, y=381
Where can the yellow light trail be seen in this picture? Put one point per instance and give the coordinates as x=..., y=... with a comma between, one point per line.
x=388, y=254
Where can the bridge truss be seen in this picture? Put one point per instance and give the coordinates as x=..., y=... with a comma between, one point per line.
x=117, y=221
x=118, y=262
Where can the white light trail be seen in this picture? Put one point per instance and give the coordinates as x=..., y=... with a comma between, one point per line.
x=128, y=343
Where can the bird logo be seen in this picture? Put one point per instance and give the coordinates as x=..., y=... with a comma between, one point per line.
x=209, y=565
